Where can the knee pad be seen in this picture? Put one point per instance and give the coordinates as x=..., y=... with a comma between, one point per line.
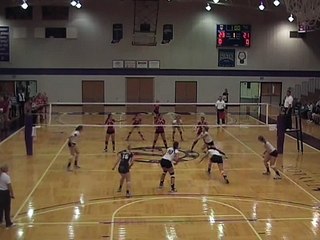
x=172, y=174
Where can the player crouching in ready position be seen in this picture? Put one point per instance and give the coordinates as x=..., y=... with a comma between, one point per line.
x=169, y=159
x=270, y=157
x=125, y=161
x=207, y=139
x=73, y=148
x=216, y=156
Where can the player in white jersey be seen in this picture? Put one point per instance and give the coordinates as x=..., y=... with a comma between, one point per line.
x=216, y=156
x=176, y=125
x=270, y=157
x=73, y=148
x=207, y=139
x=169, y=159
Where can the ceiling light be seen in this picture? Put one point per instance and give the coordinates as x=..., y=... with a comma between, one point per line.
x=291, y=18
x=216, y=1
x=261, y=6
x=208, y=7
x=276, y=3
x=73, y=3
x=78, y=5
x=24, y=5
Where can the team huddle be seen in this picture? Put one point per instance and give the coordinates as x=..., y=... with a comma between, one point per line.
x=171, y=155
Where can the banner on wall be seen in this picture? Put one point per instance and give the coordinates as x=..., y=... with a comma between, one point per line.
x=4, y=44
x=226, y=58
x=242, y=58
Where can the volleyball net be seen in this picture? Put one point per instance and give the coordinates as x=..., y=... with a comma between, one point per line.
x=95, y=114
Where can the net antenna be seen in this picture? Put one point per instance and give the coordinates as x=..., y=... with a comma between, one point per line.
x=145, y=22
x=307, y=13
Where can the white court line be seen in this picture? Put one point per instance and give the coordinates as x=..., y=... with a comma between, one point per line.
x=11, y=136
x=246, y=146
x=40, y=180
x=177, y=197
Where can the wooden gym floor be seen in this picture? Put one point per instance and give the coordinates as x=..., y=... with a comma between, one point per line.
x=52, y=203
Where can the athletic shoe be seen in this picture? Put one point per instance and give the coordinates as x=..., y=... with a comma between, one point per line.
x=76, y=166
x=106, y=149
x=266, y=173
x=10, y=225
x=277, y=177
x=69, y=169
x=128, y=195
x=226, y=179
x=173, y=190
x=161, y=185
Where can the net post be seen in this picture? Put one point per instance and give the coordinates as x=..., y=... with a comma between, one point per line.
x=50, y=114
x=267, y=114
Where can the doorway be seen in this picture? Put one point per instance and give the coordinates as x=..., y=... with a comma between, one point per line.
x=186, y=92
x=93, y=91
x=140, y=90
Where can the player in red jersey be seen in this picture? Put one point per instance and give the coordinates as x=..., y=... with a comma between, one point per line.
x=199, y=130
x=156, y=109
x=159, y=122
x=110, y=132
x=136, y=121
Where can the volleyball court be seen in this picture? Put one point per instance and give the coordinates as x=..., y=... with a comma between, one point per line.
x=246, y=206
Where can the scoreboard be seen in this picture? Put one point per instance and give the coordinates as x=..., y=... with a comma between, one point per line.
x=233, y=35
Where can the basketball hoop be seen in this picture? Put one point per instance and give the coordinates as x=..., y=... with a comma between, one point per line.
x=307, y=12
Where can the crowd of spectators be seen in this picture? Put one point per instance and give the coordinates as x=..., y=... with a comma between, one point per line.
x=311, y=112
x=13, y=107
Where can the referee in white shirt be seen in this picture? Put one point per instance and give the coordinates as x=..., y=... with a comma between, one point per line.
x=288, y=102
x=6, y=193
x=220, y=105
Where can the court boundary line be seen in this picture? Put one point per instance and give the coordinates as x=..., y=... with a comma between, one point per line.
x=11, y=136
x=40, y=180
x=193, y=198
x=286, y=176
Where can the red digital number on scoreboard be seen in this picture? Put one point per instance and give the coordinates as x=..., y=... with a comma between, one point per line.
x=246, y=37
x=222, y=34
x=247, y=43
